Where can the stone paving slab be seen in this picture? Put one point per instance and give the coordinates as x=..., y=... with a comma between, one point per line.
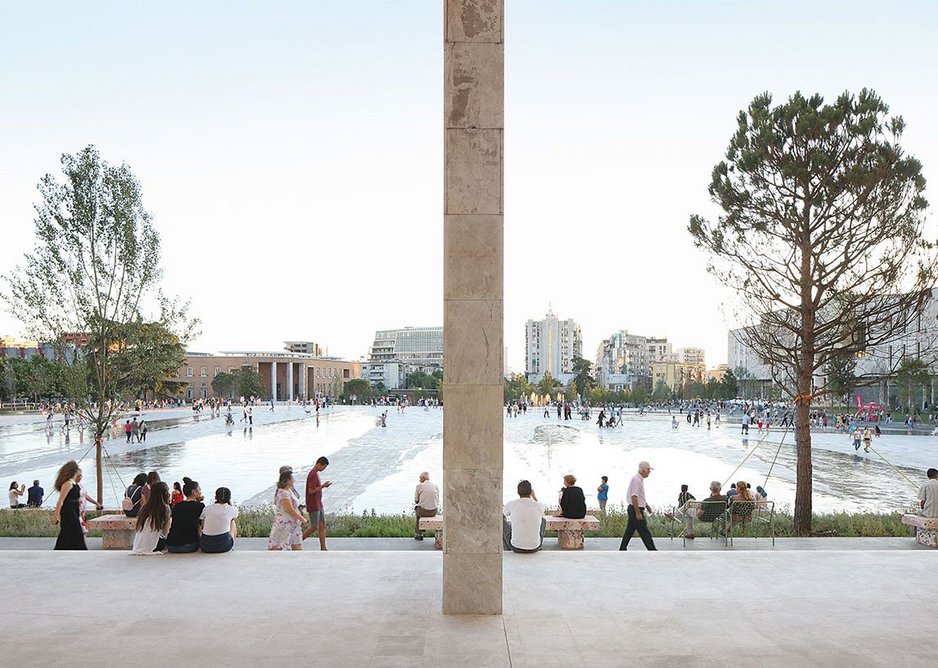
x=550, y=544
x=853, y=608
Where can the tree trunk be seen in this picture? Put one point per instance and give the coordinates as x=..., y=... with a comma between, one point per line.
x=98, y=438
x=804, y=480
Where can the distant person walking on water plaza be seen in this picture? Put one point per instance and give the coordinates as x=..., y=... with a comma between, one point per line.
x=317, y=517
x=426, y=502
x=637, y=509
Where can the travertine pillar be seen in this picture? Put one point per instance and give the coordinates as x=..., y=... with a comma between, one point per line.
x=473, y=311
x=302, y=381
x=290, y=381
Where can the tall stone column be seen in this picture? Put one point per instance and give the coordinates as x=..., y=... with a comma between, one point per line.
x=473, y=308
x=290, y=381
x=303, y=391
x=273, y=381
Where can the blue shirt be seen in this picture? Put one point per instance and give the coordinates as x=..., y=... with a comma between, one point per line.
x=603, y=493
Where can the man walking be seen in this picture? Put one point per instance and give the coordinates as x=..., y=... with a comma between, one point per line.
x=314, y=487
x=426, y=502
x=637, y=509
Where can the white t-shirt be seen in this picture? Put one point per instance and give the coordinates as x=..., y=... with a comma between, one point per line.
x=14, y=498
x=929, y=494
x=525, y=515
x=216, y=518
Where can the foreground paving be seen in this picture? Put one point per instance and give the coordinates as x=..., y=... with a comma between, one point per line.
x=702, y=608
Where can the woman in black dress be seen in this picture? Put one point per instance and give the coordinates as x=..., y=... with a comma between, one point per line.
x=66, y=514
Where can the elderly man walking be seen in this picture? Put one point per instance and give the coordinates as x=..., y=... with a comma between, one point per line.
x=426, y=502
x=637, y=509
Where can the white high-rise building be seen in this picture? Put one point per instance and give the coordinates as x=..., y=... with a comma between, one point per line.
x=396, y=353
x=622, y=362
x=550, y=346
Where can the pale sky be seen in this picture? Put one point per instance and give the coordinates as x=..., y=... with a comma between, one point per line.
x=291, y=152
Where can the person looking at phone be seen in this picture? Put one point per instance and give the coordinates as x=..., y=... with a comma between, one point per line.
x=314, y=487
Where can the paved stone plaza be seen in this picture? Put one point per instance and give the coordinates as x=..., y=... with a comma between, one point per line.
x=382, y=608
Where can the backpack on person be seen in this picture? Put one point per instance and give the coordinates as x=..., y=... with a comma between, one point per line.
x=131, y=505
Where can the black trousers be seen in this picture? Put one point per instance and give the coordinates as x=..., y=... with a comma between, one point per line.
x=639, y=525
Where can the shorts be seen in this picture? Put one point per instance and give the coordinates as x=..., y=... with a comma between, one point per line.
x=317, y=517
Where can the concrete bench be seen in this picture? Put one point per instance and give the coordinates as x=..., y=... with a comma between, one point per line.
x=117, y=531
x=926, y=529
x=434, y=524
x=570, y=532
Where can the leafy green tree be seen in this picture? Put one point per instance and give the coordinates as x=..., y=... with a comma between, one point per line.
x=420, y=380
x=357, y=387
x=583, y=382
x=547, y=385
x=144, y=356
x=94, y=267
x=841, y=374
x=223, y=385
x=822, y=238
x=729, y=385
x=662, y=392
x=7, y=381
x=517, y=386
x=248, y=382
x=911, y=379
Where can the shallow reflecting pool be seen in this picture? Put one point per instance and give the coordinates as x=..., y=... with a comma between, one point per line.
x=377, y=468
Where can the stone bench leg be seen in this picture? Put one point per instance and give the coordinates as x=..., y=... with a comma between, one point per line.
x=438, y=539
x=117, y=540
x=570, y=539
x=926, y=537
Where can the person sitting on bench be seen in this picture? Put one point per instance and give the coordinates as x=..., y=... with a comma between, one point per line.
x=709, y=510
x=928, y=495
x=742, y=504
x=524, y=522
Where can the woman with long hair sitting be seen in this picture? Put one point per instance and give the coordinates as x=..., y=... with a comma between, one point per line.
x=66, y=513
x=153, y=522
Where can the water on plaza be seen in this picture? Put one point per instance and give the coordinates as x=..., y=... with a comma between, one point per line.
x=375, y=468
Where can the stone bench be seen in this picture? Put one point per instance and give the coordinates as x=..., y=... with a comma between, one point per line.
x=570, y=532
x=926, y=529
x=434, y=524
x=117, y=531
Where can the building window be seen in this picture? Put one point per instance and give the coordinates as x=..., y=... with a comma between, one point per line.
x=217, y=370
x=345, y=373
x=203, y=372
x=189, y=374
x=189, y=393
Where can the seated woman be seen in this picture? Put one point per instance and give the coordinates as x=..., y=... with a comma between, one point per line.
x=742, y=504
x=16, y=491
x=154, y=522
x=572, y=499
x=184, y=535
x=133, y=497
x=219, y=528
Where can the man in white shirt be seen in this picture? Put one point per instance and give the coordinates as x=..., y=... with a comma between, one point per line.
x=524, y=522
x=928, y=495
x=637, y=509
x=426, y=502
